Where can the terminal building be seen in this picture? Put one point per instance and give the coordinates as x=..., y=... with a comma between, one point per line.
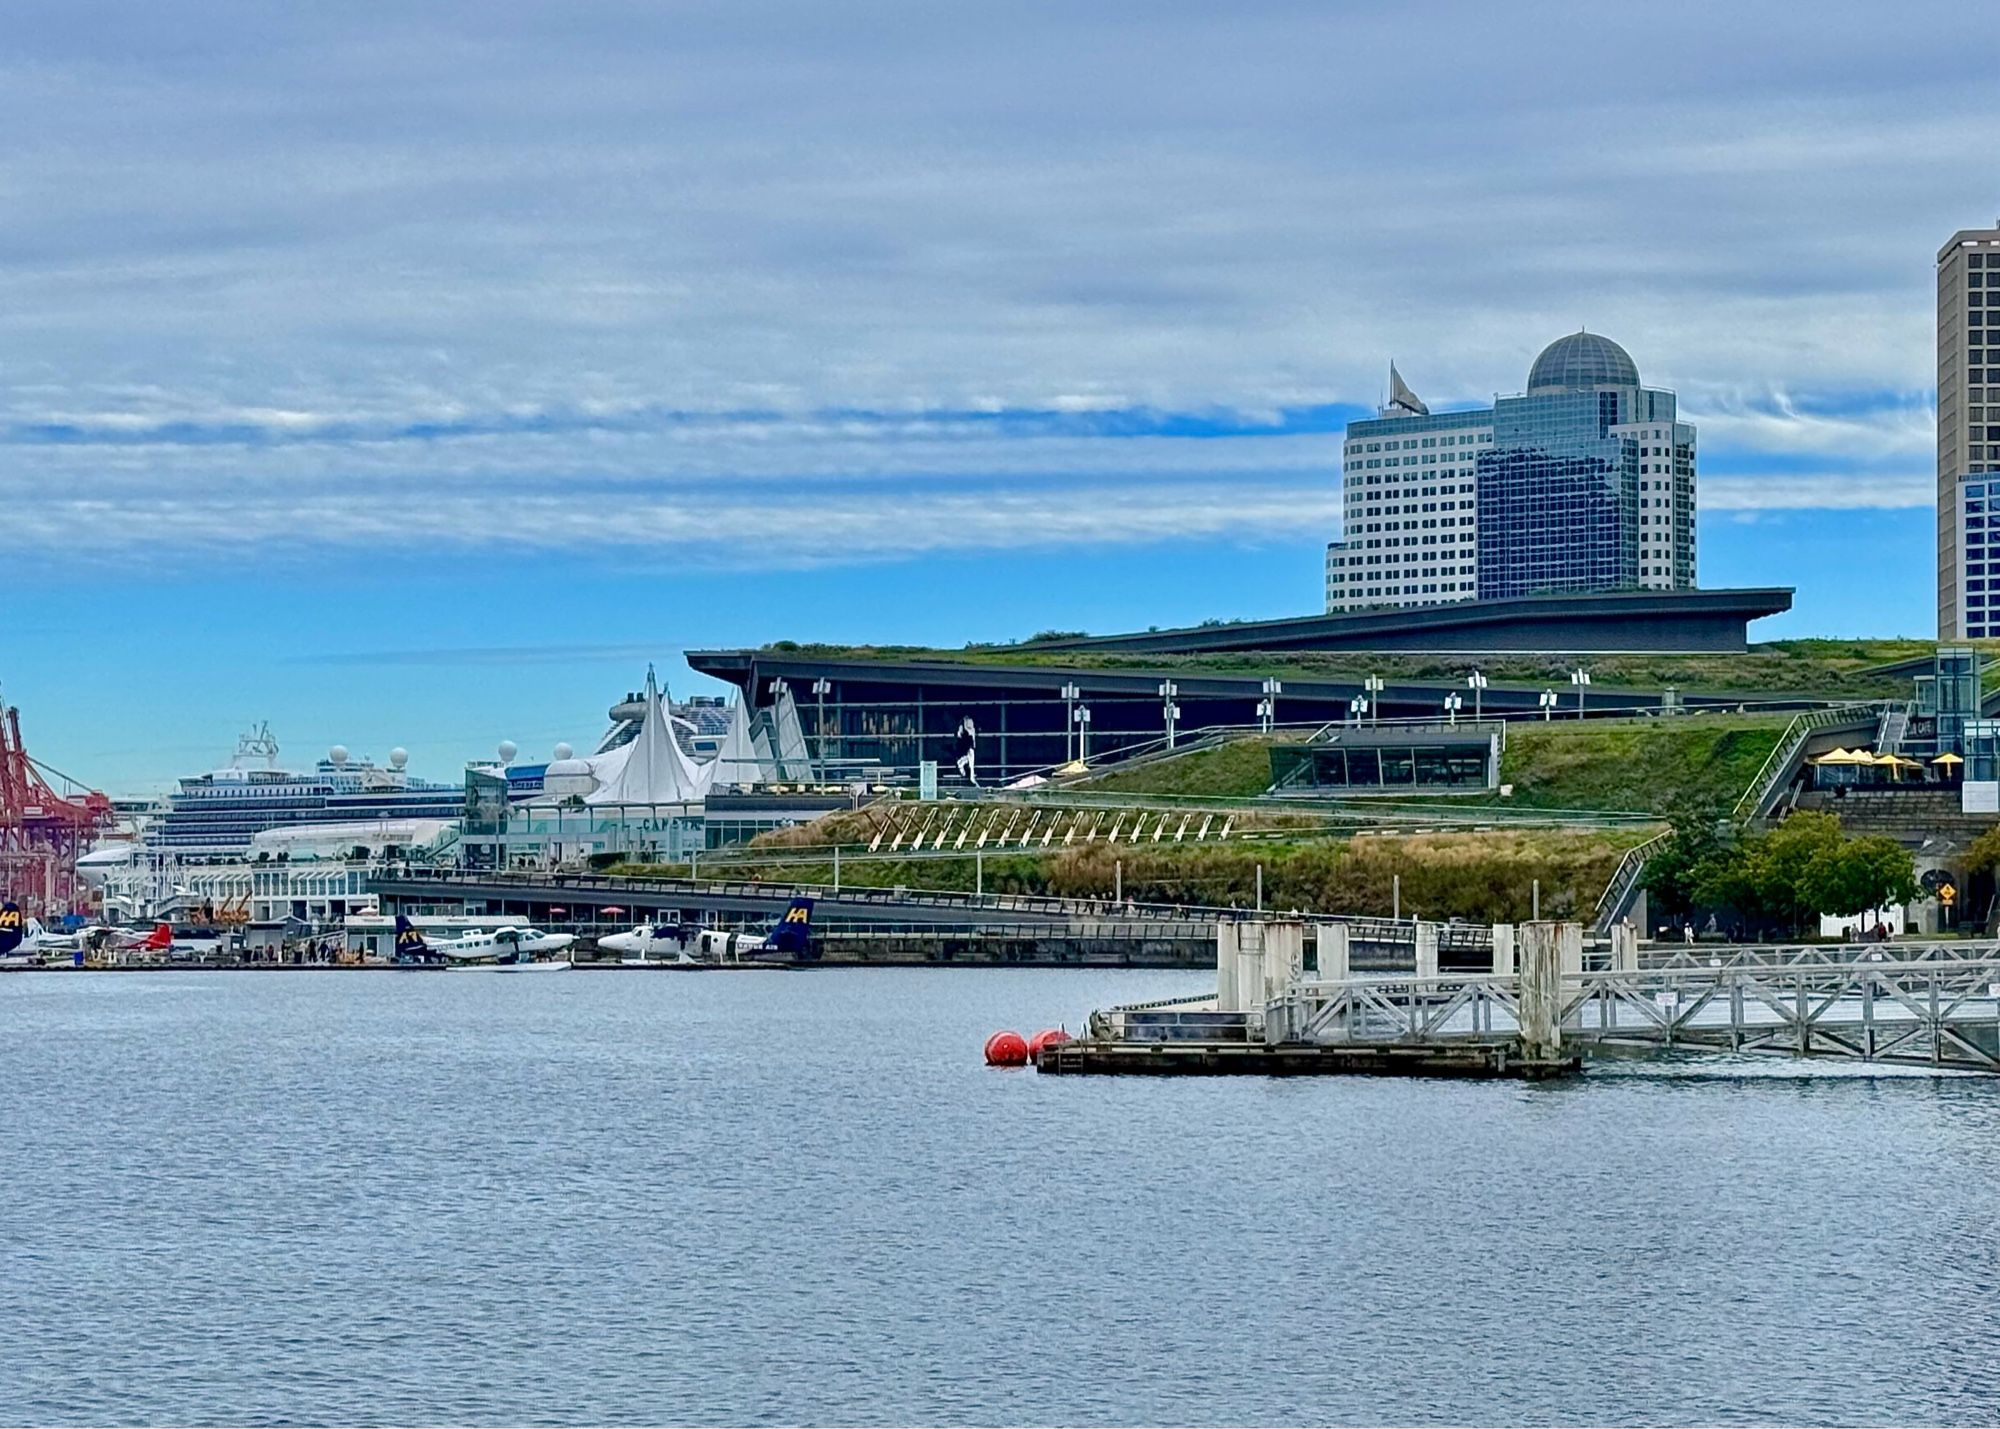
x=1968, y=436
x=1585, y=482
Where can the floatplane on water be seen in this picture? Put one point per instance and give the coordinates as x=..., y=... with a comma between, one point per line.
x=501, y=950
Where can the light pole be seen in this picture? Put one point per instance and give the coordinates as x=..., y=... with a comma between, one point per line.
x=1358, y=706
x=1373, y=685
x=1547, y=700
x=1264, y=714
x=1169, y=711
x=1268, y=711
x=1082, y=733
x=1453, y=703
x=1070, y=695
x=1579, y=677
x=1476, y=682
x=821, y=689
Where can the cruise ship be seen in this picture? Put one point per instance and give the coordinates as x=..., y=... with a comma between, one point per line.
x=217, y=814
x=253, y=841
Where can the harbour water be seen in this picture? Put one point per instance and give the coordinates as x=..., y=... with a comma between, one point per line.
x=798, y=1197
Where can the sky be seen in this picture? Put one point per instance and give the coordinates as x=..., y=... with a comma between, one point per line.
x=415, y=373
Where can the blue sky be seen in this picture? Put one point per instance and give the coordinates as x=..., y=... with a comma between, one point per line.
x=413, y=373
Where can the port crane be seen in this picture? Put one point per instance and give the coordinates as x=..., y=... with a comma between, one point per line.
x=42, y=831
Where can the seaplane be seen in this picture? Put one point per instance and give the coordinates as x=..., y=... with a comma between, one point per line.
x=678, y=945
x=790, y=938
x=25, y=943
x=652, y=945
x=513, y=949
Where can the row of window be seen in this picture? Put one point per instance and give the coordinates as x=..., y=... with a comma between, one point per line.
x=1469, y=439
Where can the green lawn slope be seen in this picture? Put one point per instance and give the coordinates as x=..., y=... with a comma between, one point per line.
x=1639, y=766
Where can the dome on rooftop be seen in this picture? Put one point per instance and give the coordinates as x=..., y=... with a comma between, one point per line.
x=1580, y=362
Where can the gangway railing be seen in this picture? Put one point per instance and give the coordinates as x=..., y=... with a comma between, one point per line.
x=1625, y=878
x=1778, y=766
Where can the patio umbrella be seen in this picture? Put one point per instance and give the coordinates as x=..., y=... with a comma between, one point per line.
x=611, y=908
x=1947, y=758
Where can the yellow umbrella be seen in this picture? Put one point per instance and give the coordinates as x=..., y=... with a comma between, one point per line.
x=1846, y=756
x=1947, y=758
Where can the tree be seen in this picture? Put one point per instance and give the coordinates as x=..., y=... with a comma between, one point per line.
x=1805, y=867
x=1982, y=855
x=1859, y=875
x=1672, y=870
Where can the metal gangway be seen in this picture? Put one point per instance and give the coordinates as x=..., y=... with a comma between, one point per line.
x=1934, y=1004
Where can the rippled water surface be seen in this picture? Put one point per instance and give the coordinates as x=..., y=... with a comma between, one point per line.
x=620, y=1197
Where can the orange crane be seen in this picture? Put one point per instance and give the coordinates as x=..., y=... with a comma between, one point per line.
x=42, y=832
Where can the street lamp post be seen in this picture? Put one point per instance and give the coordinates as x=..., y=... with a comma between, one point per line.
x=1579, y=677
x=821, y=689
x=1070, y=695
x=1268, y=711
x=1453, y=703
x=1476, y=682
x=1547, y=701
x=1373, y=685
x=1169, y=711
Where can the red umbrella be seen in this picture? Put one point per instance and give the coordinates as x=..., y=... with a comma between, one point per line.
x=557, y=908
x=613, y=908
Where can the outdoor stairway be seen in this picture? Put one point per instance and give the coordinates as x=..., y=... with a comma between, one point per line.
x=1892, y=730
x=1905, y=814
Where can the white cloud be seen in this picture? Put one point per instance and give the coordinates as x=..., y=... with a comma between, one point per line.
x=340, y=228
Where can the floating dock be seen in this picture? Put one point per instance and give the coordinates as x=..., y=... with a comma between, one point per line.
x=1090, y=1057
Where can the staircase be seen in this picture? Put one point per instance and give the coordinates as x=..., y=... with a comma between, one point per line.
x=1783, y=763
x=1892, y=729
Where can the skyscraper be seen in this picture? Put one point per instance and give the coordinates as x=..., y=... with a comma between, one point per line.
x=1585, y=482
x=1968, y=435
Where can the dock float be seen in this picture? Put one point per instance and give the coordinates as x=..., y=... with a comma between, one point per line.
x=1095, y=1057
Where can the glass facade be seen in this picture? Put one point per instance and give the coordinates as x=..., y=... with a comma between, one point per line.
x=1558, y=498
x=1361, y=764
x=1586, y=489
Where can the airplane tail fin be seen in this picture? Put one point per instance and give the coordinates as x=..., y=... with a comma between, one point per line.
x=10, y=926
x=161, y=940
x=409, y=941
x=793, y=935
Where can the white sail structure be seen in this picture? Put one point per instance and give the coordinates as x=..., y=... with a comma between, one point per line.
x=741, y=763
x=794, y=759
x=651, y=769
x=1402, y=399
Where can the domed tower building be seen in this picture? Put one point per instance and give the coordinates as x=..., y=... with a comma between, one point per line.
x=1585, y=482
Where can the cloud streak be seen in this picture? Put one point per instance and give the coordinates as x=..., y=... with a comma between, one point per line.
x=887, y=281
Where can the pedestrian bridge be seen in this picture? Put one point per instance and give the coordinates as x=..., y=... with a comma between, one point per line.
x=1933, y=1004
x=1540, y=1002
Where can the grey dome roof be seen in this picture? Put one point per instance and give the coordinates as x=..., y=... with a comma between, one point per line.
x=1580, y=362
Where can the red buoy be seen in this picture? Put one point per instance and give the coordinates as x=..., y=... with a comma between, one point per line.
x=1006, y=1049
x=1049, y=1037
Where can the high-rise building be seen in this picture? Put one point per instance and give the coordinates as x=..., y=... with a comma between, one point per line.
x=1968, y=435
x=1408, y=497
x=1585, y=482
